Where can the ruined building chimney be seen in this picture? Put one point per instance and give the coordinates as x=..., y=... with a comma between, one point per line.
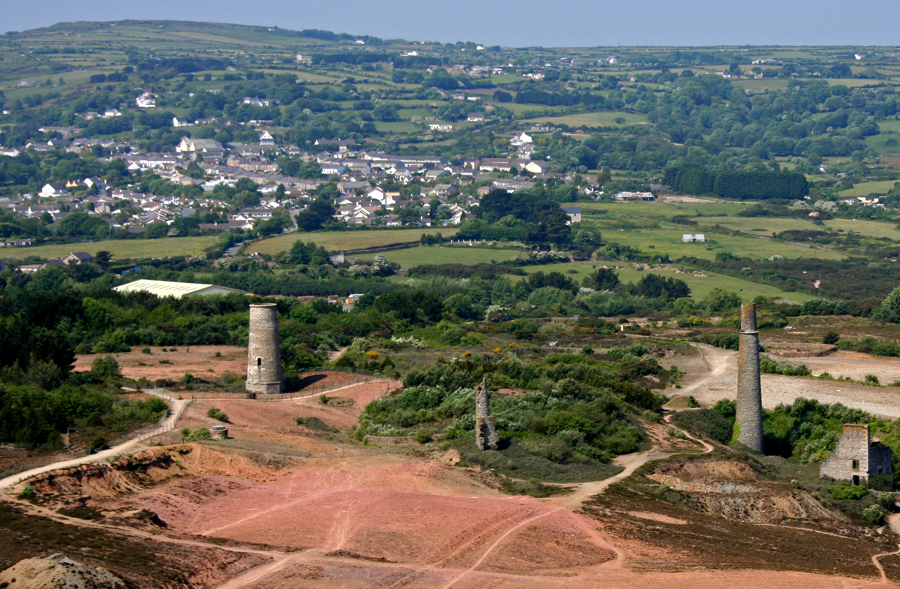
x=485, y=430
x=749, y=393
x=264, y=352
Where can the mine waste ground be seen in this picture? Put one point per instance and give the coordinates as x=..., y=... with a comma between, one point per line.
x=280, y=504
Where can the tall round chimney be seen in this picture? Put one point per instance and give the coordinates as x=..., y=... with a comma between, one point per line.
x=749, y=393
x=264, y=352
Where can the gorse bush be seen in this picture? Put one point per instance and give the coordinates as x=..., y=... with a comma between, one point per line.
x=706, y=422
x=577, y=408
x=769, y=366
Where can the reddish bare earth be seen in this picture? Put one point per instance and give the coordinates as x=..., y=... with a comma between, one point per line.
x=201, y=361
x=309, y=509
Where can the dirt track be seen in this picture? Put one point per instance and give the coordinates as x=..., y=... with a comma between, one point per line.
x=349, y=516
x=720, y=382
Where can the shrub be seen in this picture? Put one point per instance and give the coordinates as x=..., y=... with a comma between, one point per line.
x=145, y=350
x=831, y=337
x=200, y=434
x=887, y=501
x=872, y=379
x=26, y=493
x=706, y=422
x=726, y=408
x=105, y=367
x=315, y=423
x=692, y=402
x=423, y=436
x=97, y=445
x=217, y=413
x=845, y=491
x=873, y=514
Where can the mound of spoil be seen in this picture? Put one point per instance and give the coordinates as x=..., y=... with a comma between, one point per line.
x=147, y=468
x=735, y=491
x=58, y=572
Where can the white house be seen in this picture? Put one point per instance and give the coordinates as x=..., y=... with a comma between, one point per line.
x=693, y=238
x=146, y=100
x=194, y=145
x=574, y=214
x=181, y=122
x=442, y=127
x=520, y=139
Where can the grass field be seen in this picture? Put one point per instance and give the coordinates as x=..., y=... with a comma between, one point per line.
x=119, y=248
x=346, y=240
x=883, y=143
x=700, y=286
x=867, y=188
x=593, y=119
x=772, y=224
x=667, y=240
x=419, y=256
x=662, y=209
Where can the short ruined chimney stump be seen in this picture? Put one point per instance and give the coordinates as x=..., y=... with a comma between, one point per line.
x=485, y=429
x=264, y=351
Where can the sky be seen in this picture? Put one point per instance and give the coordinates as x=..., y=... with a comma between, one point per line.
x=515, y=23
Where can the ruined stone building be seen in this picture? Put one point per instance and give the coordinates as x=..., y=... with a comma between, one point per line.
x=749, y=393
x=856, y=457
x=485, y=430
x=264, y=351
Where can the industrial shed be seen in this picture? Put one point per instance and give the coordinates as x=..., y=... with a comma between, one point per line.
x=162, y=288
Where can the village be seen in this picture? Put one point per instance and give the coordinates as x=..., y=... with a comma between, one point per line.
x=368, y=184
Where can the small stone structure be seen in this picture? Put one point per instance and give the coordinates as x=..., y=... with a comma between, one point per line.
x=219, y=432
x=485, y=430
x=749, y=393
x=264, y=352
x=856, y=457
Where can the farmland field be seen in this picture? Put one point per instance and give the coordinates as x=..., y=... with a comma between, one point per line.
x=700, y=286
x=593, y=119
x=419, y=256
x=119, y=248
x=773, y=224
x=667, y=240
x=867, y=188
x=346, y=240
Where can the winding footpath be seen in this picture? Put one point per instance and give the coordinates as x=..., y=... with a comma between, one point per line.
x=176, y=407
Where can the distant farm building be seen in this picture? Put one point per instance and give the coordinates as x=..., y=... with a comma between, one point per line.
x=76, y=258
x=856, y=457
x=162, y=288
x=693, y=238
x=574, y=214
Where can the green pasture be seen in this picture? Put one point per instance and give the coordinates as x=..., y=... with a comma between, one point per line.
x=700, y=285
x=889, y=125
x=758, y=86
x=867, y=188
x=346, y=240
x=884, y=143
x=663, y=209
x=667, y=240
x=420, y=256
x=776, y=225
x=137, y=249
x=593, y=119
x=398, y=127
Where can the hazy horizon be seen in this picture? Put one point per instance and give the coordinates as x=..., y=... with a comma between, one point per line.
x=524, y=23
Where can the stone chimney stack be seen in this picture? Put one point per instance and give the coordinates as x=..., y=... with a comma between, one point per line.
x=485, y=430
x=749, y=393
x=264, y=352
